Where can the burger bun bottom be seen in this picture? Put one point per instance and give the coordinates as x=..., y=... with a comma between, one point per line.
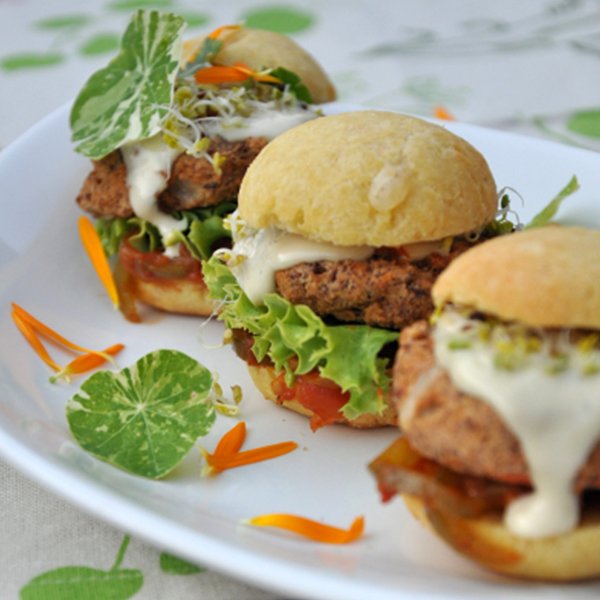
x=181, y=296
x=569, y=557
x=264, y=375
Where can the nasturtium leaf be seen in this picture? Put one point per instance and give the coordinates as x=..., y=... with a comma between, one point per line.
x=83, y=582
x=128, y=99
x=176, y=566
x=145, y=418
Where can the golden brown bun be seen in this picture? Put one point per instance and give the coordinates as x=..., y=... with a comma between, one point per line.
x=263, y=377
x=486, y=540
x=369, y=178
x=259, y=49
x=548, y=277
x=175, y=296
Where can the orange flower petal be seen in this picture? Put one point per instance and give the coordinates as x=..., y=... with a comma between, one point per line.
x=87, y=362
x=442, y=113
x=38, y=326
x=219, y=74
x=313, y=530
x=32, y=338
x=232, y=441
x=93, y=247
x=239, y=459
x=213, y=35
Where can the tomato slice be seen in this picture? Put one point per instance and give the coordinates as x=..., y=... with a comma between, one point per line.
x=321, y=396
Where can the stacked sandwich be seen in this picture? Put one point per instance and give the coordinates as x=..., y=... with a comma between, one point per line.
x=343, y=225
x=498, y=404
x=171, y=129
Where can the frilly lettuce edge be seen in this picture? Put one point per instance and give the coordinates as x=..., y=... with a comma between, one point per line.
x=345, y=354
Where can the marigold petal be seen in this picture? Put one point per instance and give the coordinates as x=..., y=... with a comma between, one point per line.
x=32, y=338
x=240, y=459
x=232, y=441
x=443, y=113
x=38, y=326
x=313, y=530
x=213, y=35
x=87, y=362
x=219, y=74
x=93, y=247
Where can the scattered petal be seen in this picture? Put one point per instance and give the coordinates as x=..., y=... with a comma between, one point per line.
x=313, y=530
x=32, y=338
x=227, y=454
x=86, y=362
x=443, y=113
x=93, y=247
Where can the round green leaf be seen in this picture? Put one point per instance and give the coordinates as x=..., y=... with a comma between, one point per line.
x=282, y=19
x=128, y=99
x=72, y=583
x=145, y=418
x=30, y=60
x=100, y=44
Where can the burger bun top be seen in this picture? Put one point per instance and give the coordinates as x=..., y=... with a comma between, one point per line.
x=545, y=277
x=260, y=49
x=371, y=178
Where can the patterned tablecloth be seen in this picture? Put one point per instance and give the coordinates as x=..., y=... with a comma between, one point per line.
x=528, y=67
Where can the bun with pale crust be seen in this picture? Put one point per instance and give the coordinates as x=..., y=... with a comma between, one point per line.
x=260, y=49
x=548, y=276
x=369, y=177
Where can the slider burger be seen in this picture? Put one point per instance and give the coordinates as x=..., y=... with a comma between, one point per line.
x=343, y=224
x=499, y=405
x=171, y=128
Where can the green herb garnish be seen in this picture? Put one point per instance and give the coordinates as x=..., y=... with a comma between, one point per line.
x=546, y=215
x=145, y=418
x=129, y=99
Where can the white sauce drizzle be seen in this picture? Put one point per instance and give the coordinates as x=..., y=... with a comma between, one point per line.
x=149, y=164
x=264, y=123
x=149, y=161
x=270, y=249
x=556, y=419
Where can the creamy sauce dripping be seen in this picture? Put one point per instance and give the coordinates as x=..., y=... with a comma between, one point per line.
x=265, y=123
x=556, y=419
x=149, y=164
x=271, y=249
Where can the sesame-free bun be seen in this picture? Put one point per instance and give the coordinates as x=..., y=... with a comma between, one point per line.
x=264, y=375
x=369, y=178
x=569, y=557
x=181, y=296
x=546, y=277
x=259, y=49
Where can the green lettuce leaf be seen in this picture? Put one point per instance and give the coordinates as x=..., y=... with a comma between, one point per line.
x=346, y=354
x=203, y=233
x=128, y=99
x=295, y=84
x=547, y=213
x=145, y=418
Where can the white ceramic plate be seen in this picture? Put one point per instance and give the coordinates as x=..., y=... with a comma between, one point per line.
x=43, y=268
